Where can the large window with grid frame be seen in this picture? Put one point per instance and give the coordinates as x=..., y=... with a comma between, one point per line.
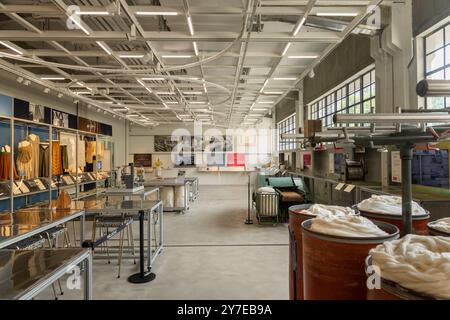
x=357, y=96
x=437, y=62
x=286, y=126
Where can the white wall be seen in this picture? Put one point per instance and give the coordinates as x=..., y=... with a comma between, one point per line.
x=34, y=93
x=142, y=141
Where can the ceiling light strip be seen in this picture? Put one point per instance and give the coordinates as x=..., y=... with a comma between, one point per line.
x=5, y=44
x=103, y=46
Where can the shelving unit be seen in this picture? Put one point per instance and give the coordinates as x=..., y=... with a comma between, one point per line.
x=42, y=189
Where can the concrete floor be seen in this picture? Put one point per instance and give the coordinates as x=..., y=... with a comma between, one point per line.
x=209, y=254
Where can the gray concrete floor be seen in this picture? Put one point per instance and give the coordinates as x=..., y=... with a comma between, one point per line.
x=209, y=254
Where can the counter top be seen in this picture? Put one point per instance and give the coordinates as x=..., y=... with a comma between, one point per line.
x=24, y=223
x=21, y=271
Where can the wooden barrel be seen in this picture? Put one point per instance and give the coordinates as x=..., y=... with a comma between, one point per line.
x=333, y=266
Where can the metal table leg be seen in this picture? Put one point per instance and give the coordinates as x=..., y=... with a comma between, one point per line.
x=82, y=224
x=141, y=276
x=88, y=277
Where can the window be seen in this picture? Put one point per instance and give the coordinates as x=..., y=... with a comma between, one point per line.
x=437, y=63
x=357, y=96
x=286, y=126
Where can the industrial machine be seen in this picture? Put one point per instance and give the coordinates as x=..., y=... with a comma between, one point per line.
x=128, y=178
x=289, y=191
x=354, y=170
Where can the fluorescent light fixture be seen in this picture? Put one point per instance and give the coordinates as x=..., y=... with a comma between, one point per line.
x=133, y=115
x=79, y=25
x=131, y=56
x=141, y=83
x=92, y=13
x=284, y=79
x=11, y=47
x=104, y=47
x=273, y=92
x=171, y=102
x=195, y=48
x=53, y=78
x=299, y=26
x=191, y=27
x=303, y=57
x=286, y=48
x=120, y=109
x=259, y=109
x=152, y=79
x=337, y=14
x=265, y=102
x=149, y=90
x=165, y=92
x=197, y=102
x=192, y=92
x=80, y=84
x=156, y=13
x=83, y=92
x=174, y=56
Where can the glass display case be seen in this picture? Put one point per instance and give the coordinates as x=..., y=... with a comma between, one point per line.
x=40, y=157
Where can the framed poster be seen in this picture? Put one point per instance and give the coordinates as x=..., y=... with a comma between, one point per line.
x=143, y=159
x=396, y=166
x=60, y=119
x=165, y=143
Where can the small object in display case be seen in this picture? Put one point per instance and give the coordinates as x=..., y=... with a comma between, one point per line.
x=16, y=189
x=68, y=180
x=40, y=184
x=4, y=190
x=23, y=187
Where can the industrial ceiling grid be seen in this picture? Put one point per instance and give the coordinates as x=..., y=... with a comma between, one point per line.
x=154, y=62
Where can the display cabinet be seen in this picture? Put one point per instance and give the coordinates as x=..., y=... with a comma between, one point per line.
x=42, y=152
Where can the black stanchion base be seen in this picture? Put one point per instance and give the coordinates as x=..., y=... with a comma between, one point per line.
x=136, y=278
x=249, y=221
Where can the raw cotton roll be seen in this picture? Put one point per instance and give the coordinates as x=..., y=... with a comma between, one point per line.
x=419, y=263
x=441, y=225
x=346, y=226
x=391, y=205
x=180, y=196
x=324, y=210
x=266, y=190
x=167, y=196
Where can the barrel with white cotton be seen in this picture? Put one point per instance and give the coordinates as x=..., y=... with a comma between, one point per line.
x=298, y=214
x=413, y=267
x=439, y=227
x=334, y=250
x=389, y=209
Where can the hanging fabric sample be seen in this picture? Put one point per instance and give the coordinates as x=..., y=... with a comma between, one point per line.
x=24, y=159
x=34, y=141
x=69, y=140
x=90, y=151
x=56, y=159
x=64, y=159
x=44, y=160
x=5, y=164
x=81, y=153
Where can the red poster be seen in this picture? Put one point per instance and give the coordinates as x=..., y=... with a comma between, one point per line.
x=236, y=159
x=306, y=159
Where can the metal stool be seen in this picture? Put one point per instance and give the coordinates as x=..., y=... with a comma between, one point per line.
x=107, y=223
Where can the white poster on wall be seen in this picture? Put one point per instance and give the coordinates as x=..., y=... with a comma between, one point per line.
x=396, y=166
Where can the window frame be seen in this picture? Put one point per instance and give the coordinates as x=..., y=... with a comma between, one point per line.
x=346, y=98
x=445, y=66
x=287, y=126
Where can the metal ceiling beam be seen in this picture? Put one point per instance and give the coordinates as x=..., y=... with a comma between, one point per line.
x=15, y=35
